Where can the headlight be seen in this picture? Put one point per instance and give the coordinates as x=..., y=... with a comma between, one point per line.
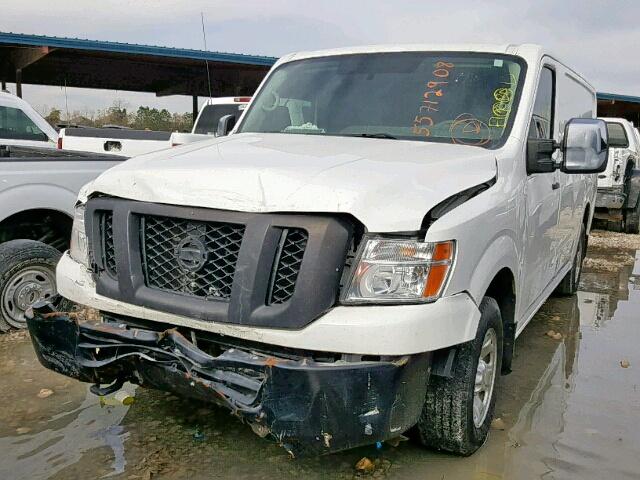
x=397, y=270
x=79, y=249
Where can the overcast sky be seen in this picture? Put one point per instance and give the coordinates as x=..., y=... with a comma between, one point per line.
x=599, y=39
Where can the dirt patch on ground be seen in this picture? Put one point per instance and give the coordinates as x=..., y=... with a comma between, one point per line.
x=602, y=239
x=609, y=251
x=13, y=336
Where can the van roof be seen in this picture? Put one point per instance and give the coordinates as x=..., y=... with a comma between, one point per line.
x=531, y=53
x=512, y=49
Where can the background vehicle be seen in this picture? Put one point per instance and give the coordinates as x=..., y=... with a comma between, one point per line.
x=356, y=259
x=20, y=124
x=38, y=190
x=120, y=141
x=130, y=142
x=618, y=200
x=206, y=125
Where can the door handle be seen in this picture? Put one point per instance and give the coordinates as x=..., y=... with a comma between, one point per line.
x=555, y=185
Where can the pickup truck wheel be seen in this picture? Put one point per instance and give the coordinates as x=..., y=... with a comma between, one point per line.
x=27, y=275
x=570, y=282
x=457, y=413
x=632, y=219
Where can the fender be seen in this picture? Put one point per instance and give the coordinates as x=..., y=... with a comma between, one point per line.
x=501, y=253
x=34, y=196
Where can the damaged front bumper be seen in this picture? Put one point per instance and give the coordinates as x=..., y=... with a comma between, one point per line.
x=307, y=406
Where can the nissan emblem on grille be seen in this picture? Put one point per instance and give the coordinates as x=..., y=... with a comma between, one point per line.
x=191, y=254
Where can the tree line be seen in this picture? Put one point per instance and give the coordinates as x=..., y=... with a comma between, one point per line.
x=145, y=118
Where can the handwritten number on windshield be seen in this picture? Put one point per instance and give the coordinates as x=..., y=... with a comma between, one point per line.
x=435, y=90
x=501, y=108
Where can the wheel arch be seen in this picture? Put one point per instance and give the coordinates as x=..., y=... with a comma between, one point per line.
x=587, y=217
x=40, y=196
x=46, y=225
x=503, y=290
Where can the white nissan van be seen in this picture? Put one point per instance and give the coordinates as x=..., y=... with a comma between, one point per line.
x=358, y=256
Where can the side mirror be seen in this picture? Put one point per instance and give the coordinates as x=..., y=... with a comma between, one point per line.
x=225, y=125
x=584, y=147
x=539, y=155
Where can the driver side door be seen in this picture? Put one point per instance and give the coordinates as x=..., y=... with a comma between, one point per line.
x=542, y=200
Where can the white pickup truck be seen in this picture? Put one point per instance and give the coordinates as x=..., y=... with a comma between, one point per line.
x=355, y=259
x=206, y=125
x=38, y=190
x=115, y=140
x=618, y=199
x=129, y=142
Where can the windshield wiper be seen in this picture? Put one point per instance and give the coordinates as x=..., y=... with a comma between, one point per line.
x=373, y=135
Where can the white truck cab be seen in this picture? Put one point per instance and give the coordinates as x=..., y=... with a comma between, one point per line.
x=21, y=125
x=356, y=258
x=618, y=196
x=206, y=124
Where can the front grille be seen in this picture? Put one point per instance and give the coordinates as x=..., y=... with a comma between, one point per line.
x=261, y=269
x=191, y=257
x=287, y=266
x=108, y=248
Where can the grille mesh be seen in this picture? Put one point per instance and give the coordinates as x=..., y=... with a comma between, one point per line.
x=109, y=253
x=161, y=237
x=288, y=265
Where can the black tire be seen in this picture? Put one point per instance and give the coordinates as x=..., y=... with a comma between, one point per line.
x=632, y=219
x=20, y=259
x=569, y=284
x=447, y=419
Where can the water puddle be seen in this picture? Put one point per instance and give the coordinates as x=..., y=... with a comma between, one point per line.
x=570, y=410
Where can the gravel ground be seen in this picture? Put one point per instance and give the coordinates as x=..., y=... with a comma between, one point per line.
x=602, y=239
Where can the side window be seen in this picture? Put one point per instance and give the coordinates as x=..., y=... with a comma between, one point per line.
x=617, y=135
x=15, y=125
x=542, y=119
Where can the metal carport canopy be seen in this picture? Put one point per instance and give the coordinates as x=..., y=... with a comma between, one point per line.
x=74, y=62
x=616, y=105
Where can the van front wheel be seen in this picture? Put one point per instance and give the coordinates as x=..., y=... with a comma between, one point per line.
x=457, y=413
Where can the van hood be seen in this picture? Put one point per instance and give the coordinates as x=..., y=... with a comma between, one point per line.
x=389, y=185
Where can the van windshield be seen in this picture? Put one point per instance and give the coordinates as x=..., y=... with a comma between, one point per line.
x=468, y=98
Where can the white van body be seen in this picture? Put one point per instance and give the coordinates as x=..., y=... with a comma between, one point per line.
x=517, y=237
x=21, y=125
